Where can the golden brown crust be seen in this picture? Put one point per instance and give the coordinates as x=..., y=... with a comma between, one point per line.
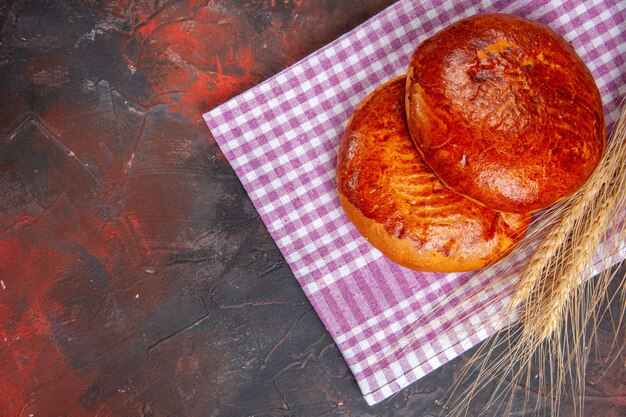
x=505, y=112
x=400, y=206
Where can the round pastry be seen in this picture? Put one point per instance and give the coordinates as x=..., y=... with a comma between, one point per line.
x=399, y=205
x=505, y=112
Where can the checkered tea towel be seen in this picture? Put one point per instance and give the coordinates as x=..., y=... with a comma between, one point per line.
x=392, y=325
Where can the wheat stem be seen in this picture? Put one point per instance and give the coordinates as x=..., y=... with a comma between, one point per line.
x=556, y=239
x=551, y=313
x=554, y=271
x=557, y=306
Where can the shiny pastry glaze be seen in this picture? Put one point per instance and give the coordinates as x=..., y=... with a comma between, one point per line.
x=505, y=112
x=381, y=173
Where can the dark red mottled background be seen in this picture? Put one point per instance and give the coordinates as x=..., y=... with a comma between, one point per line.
x=136, y=278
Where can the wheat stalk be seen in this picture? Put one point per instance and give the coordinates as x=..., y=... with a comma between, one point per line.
x=572, y=212
x=549, y=315
x=554, y=273
x=556, y=305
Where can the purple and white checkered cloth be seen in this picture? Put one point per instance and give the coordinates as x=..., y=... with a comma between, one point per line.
x=392, y=325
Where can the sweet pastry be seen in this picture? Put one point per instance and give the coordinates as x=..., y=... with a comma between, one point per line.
x=401, y=207
x=505, y=112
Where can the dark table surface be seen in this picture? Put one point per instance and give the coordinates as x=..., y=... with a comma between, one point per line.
x=136, y=277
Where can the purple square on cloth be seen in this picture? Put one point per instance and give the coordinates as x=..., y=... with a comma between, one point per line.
x=282, y=136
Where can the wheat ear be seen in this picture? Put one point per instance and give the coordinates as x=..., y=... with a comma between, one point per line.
x=549, y=316
x=556, y=239
x=567, y=253
x=558, y=309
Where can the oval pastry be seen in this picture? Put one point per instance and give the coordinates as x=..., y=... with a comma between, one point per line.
x=505, y=112
x=399, y=205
